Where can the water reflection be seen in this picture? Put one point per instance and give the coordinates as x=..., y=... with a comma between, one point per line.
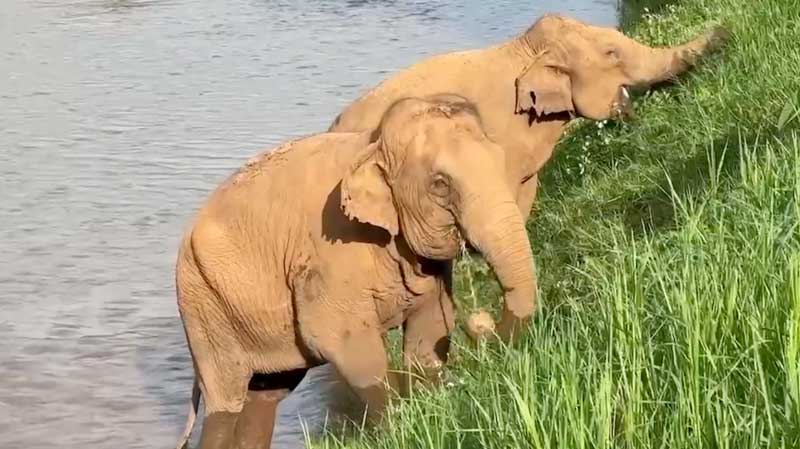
x=117, y=117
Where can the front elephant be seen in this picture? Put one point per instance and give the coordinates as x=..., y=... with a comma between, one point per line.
x=449, y=194
x=311, y=252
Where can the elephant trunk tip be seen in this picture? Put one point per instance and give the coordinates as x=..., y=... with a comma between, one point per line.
x=718, y=36
x=480, y=324
x=713, y=40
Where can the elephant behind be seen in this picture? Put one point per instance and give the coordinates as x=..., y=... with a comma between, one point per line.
x=310, y=252
x=528, y=88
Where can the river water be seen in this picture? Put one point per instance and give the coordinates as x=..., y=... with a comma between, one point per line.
x=117, y=118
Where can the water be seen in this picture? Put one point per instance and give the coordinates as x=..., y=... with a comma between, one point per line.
x=117, y=117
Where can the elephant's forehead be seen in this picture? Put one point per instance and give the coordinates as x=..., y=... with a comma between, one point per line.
x=453, y=132
x=427, y=136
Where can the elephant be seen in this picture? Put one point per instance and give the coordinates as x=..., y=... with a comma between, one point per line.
x=310, y=252
x=528, y=88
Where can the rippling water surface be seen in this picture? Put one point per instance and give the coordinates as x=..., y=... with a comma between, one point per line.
x=117, y=117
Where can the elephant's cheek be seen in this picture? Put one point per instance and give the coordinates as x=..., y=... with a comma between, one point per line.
x=432, y=232
x=448, y=247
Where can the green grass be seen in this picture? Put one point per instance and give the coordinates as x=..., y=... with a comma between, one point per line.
x=668, y=253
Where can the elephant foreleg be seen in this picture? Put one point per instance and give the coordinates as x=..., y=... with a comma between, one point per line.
x=426, y=335
x=360, y=358
x=346, y=333
x=353, y=344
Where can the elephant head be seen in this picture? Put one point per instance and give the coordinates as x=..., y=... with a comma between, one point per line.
x=432, y=175
x=587, y=70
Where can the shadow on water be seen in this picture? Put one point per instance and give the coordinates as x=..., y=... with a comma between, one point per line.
x=361, y=3
x=419, y=10
x=99, y=7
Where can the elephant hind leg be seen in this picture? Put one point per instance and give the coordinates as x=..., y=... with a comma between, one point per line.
x=218, y=430
x=224, y=395
x=222, y=374
x=256, y=422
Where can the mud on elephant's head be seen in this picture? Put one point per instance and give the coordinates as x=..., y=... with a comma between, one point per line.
x=587, y=70
x=432, y=175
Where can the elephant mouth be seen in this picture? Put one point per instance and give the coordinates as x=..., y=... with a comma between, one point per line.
x=622, y=107
x=455, y=237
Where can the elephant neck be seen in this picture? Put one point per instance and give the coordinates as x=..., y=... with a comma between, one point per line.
x=539, y=142
x=530, y=139
x=528, y=46
x=401, y=280
x=520, y=51
x=417, y=274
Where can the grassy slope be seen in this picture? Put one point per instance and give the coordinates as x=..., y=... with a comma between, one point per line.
x=669, y=268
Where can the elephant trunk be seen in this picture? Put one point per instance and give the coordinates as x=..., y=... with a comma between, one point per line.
x=493, y=224
x=656, y=64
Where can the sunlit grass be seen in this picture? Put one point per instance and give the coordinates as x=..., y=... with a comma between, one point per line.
x=668, y=253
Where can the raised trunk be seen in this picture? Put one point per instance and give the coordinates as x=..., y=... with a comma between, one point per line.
x=650, y=65
x=493, y=224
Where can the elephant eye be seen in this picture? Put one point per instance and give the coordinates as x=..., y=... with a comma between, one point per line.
x=440, y=185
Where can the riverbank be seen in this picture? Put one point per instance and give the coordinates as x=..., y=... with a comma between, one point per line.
x=669, y=264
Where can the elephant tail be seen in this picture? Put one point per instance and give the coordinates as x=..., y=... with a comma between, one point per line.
x=194, y=404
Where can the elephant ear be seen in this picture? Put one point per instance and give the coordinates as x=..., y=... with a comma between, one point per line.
x=366, y=196
x=544, y=87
